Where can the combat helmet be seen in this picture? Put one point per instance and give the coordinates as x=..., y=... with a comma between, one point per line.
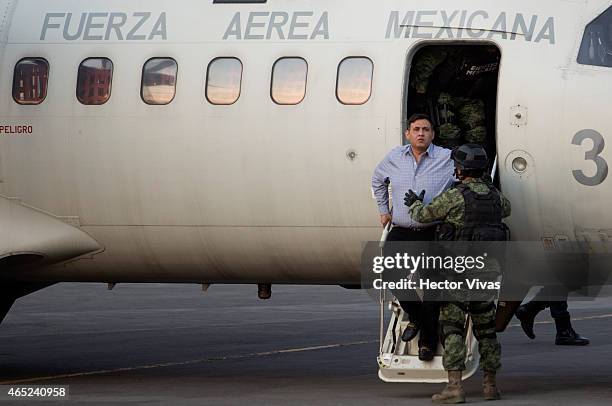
x=470, y=156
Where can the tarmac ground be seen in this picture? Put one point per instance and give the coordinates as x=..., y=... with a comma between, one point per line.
x=174, y=344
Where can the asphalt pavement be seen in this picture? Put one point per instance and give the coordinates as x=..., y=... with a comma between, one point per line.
x=307, y=345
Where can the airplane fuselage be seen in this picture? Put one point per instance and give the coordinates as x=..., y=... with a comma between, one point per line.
x=257, y=191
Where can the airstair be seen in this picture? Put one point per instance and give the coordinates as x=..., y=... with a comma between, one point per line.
x=398, y=361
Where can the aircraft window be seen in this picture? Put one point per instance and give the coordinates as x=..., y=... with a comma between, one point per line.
x=354, y=85
x=223, y=81
x=159, y=81
x=596, y=46
x=289, y=80
x=30, y=81
x=94, y=81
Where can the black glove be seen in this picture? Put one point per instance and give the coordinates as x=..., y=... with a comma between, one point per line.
x=412, y=197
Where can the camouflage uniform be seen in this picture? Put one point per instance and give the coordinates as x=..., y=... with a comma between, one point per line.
x=461, y=117
x=450, y=208
x=428, y=61
x=455, y=74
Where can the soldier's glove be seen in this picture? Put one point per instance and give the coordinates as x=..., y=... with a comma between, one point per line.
x=412, y=197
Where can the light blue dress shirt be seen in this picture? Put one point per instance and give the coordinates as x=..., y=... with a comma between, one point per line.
x=434, y=174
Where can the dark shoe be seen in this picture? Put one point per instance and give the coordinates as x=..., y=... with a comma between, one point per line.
x=426, y=354
x=527, y=319
x=570, y=337
x=566, y=334
x=410, y=331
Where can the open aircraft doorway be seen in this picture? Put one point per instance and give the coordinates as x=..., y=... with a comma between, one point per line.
x=456, y=85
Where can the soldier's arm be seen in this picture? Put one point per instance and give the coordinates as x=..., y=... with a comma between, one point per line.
x=438, y=209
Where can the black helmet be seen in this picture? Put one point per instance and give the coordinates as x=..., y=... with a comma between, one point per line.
x=470, y=156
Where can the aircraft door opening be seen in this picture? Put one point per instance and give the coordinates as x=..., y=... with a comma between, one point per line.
x=456, y=85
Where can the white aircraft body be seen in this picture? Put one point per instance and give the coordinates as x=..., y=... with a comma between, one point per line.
x=256, y=190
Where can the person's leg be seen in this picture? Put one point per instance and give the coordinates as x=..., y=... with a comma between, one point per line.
x=565, y=332
x=557, y=301
x=410, y=301
x=558, y=310
x=483, y=319
x=452, y=329
x=452, y=333
x=540, y=301
x=527, y=313
x=430, y=313
x=412, y=308
x=428, y=341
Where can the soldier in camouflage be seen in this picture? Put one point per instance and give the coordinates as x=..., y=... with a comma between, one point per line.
x=474, y=208
x=452, y=79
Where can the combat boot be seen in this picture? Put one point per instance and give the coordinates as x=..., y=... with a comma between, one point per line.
x=489, y=386
x=566, y=334
x=527, y=314
x=453, y=393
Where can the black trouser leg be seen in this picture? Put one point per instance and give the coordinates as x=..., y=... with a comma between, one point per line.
x=538, y=303
x=426, y=315
x=413, y=309
x=411, y=306
x=558, y=302
x=558, y=310
x=423, y=313
x=430, y=315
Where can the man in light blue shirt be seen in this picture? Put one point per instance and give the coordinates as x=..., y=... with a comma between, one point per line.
x=418, y=166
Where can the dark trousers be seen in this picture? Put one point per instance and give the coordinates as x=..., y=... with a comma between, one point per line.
x=542, y=300
x=424, y=313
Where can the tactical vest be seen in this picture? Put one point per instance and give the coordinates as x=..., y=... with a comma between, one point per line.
x=483, y=216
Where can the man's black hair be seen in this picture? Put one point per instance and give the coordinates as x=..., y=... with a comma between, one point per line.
x=419, y=116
